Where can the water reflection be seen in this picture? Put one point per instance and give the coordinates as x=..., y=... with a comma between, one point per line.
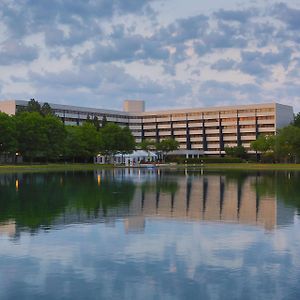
x=192, y=235
x=33, y=201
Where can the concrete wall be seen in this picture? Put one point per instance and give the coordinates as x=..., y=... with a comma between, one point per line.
x=134, y=106
x=284, y=115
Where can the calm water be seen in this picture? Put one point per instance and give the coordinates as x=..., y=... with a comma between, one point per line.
x=150, y=234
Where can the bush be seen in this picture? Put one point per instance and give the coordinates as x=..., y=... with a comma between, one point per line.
x=204, y=159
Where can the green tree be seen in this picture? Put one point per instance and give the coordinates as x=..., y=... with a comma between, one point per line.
x=32, y=135
x=287, y=144
x=297, y=120
x=110, y=135
x=126, y=142
x=237, y=151
x=167, y=145
x=33, y=106
x=96, y=123
x=74, y=143
x=88, y=119
x=8, y=134
x=104, y=121
x=90, y=137
x=82, y=142
x=262, y=145
x=46, y=109
x=147, y=145
x=56, y=135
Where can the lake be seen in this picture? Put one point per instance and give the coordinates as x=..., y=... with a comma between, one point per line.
x=150, y=234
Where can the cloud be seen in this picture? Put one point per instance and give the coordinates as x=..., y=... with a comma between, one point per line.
x=127, y=46
x=290, y=16
x=241, y=16
x=258, y=63
x=104, y=85
x=223, y=64
x=80, y=18
x=112, y=49
x=13, y=52
x=213, y=92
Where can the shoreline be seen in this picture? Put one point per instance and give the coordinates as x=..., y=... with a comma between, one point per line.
x=86, y=167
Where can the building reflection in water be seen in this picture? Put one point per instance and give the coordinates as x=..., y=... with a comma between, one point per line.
x=178, y=195
x=204, y=198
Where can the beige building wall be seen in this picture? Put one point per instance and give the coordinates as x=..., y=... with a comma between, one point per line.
x=8, y=107
x=134, y=106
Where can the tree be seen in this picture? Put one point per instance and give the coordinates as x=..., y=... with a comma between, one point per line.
x=104, y=121
x=110, y=135
x=126, y=142
x=88, y=119
x=147, y=145
x=90, y=139
x=32, y=135
x=237, y=151
x=74, y=143
x=33, y=106
x=114, y=139
x=96, y=123
x=46, y=109
x=167, y=145
x=56, y=135
x=263, y=144
x=297, y=120
x=8, y=134
x=287, y=144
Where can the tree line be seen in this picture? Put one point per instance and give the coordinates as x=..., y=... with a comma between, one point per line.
x=38, y=135
x=282, y=147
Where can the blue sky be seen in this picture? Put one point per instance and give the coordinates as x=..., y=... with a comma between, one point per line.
x=171, y=53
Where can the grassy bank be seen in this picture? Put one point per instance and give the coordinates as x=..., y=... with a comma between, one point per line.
x=245, y=166
x=50, y=167
x=84, y=167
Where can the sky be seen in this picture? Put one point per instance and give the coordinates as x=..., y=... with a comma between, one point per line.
x=170, y=53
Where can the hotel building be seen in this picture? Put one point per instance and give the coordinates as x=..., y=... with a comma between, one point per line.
x=198, y=130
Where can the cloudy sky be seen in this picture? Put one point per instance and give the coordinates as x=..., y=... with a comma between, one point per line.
x=171, y=53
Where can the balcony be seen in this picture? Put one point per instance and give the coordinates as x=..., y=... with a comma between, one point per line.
x=260, y=122
x=179, y=125
x=164, y=126
x=196, y=132
x=165, y=133
x=150, y=134
x=230, y=138
x=211, y=131
x=213, y=139
x=248, y=138
x=193, y=125
x=196, y=139
x=252, y=129
x=151, y=127
x=135, y=127
x=180, y=139
x=211, y=124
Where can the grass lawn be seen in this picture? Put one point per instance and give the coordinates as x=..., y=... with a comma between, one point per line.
x=246, y=166
x=50, y=167
x=83, y=167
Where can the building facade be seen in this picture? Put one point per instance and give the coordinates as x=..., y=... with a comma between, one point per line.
x=198, y=130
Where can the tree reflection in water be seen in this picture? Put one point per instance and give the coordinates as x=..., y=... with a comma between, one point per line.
x=47, y=199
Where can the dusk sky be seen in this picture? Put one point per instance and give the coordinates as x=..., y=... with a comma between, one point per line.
x=170, y=53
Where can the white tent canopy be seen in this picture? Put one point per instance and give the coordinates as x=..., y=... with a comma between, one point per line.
x=136, y=157
x=130, y=159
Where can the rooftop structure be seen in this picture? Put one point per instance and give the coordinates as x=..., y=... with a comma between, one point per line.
x=198, y=130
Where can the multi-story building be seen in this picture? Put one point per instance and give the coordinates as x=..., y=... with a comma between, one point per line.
x=198, y=130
